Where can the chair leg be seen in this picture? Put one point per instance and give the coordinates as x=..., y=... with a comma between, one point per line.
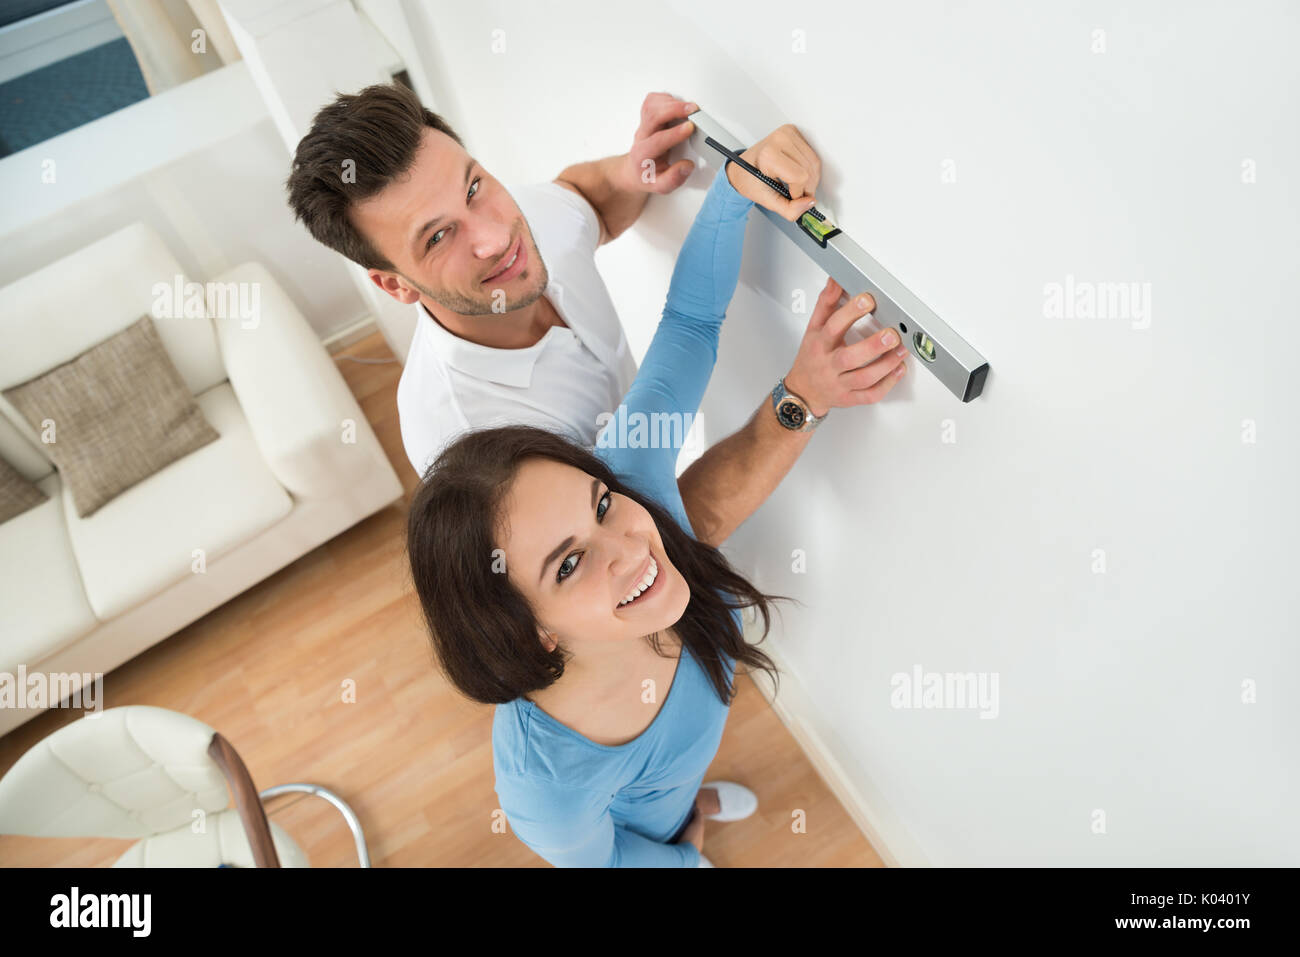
x=363, y=856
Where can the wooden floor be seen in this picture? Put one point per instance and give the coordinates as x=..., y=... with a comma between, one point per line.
x=412, y=757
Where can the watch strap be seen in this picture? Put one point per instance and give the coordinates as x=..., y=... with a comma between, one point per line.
x=810, y=421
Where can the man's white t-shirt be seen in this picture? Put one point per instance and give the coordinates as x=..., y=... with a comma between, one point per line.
x=563, y=382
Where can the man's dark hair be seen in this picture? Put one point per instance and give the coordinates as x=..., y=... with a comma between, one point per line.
x=378, y=130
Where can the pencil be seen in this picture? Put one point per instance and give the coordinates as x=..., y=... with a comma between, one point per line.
x=776, y=184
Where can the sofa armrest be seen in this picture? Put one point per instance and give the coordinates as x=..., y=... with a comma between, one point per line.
x=307, y=425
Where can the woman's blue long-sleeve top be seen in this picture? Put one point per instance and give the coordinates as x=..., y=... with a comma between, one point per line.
x=577, y=803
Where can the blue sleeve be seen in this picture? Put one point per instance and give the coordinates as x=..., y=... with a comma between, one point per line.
x=677, y=366
x=571, y=826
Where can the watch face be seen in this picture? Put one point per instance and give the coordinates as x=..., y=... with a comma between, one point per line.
x=790, y=414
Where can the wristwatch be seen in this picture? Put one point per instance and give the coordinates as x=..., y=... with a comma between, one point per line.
x=792, y=411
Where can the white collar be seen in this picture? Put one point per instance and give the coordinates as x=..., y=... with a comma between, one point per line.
x=513, y=367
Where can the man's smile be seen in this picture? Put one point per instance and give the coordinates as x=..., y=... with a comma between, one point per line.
x=513, y=263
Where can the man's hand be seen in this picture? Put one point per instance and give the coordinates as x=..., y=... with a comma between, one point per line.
x=618, y=187
x=646, y=168
x=827, y=373
x=785, y=155
x=728, y=483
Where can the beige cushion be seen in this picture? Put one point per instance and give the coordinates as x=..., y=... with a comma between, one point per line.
x=17, y=494
x=120, y=412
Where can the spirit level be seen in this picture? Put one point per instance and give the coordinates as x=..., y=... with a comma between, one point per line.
x=952, y=360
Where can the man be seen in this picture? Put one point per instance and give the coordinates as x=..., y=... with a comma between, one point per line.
x=515, y=324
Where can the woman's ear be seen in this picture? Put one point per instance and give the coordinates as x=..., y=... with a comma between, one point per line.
x=548, y=639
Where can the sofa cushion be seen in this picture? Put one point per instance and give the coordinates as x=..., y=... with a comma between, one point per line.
x=119, y=412
x=212, y=500
x=17, y=494
x=43, y=606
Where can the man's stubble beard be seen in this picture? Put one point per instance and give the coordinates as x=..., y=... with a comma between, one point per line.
x=464, y=306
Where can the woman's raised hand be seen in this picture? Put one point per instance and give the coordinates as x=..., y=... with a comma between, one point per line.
x=785, y=155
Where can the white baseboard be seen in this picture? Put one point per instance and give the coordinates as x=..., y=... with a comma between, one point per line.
x=350, y=334
x=798, y=712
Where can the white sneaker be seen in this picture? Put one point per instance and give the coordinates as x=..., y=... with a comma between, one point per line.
x=705, y=862
x=735, y=801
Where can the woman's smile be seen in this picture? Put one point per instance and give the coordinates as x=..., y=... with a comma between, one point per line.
x=644, y=587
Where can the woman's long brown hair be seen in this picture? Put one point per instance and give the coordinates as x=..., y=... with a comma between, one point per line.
x=485, y=636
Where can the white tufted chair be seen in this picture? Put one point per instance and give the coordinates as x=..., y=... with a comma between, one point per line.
x=156, y=775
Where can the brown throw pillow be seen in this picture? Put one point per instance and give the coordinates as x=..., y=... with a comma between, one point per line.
x=17, y=494
x=118, y=413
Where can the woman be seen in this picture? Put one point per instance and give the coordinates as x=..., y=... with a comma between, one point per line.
x=564, y=586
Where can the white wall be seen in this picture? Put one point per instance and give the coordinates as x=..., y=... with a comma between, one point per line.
x=1118, y=691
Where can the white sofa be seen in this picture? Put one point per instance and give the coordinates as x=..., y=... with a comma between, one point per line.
x=84, y=595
